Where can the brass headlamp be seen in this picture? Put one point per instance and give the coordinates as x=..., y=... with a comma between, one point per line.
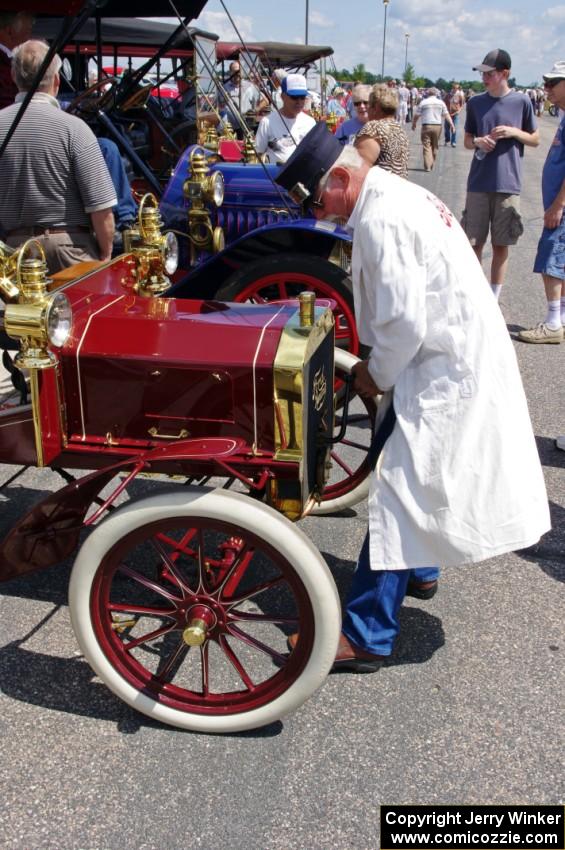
x=155, y=253
x=203, y=187
x=32, y=315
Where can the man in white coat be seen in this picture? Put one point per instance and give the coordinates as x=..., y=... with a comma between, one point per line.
x=458, y=477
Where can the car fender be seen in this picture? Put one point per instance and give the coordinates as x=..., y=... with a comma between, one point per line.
x=301, y=236
x=51, y=531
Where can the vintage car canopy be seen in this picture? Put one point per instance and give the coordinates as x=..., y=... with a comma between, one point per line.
x=118, y=32
x=104, y=8
x=277, y=52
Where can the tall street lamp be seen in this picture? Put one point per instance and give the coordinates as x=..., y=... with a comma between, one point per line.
x=406, y=36
x=385, y=4
x=306, y=31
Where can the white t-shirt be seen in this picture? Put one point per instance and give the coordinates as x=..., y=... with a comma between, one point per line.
x=403, y=94
x=278, y=136
x=432, y=110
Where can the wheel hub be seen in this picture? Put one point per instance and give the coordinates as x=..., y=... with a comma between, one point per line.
x=200, y=620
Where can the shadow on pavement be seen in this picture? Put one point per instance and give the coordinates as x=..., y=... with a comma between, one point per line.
x=549, y=553
x=66, y=684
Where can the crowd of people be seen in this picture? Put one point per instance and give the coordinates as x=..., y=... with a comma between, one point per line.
x=453, y=408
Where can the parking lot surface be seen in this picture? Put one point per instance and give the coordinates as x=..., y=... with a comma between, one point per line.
x=468, y=710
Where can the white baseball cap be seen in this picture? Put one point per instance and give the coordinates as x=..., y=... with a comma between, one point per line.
x=294, y=85
x=557, y=72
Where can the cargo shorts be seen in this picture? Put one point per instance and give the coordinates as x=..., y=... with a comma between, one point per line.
x=497, y=211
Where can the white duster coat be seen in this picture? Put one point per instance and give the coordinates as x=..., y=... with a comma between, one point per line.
x=459, y=479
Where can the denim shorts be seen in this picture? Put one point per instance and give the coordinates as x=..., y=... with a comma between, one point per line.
x=550, y=258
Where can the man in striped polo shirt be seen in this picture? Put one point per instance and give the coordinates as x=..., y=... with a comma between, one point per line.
x=55, y=184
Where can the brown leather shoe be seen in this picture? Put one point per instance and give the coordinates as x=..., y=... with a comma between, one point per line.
x=421, y=589
x=349, y=656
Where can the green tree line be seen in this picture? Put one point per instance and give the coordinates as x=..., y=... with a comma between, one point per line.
x=361, y=74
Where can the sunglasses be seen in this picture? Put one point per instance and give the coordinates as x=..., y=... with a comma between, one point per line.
x=297, y=96
x=550, y=84
x=360, y=103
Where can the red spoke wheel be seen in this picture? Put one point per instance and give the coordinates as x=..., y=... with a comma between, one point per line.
x=350, y=471
x=182, y=604
x=282, y=276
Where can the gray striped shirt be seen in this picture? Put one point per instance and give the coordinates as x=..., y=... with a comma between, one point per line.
x=52, y=174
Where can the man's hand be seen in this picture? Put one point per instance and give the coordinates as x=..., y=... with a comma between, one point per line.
x=504, y=132
x=364, y=384
x=485, y=143
x=553, y=215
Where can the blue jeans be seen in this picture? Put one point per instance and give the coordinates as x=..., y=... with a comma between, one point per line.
x=375, y=597
x=450, y=137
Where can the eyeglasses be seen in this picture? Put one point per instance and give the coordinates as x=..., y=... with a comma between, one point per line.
x=317, y=201
x=550, y=84
x=360, y=103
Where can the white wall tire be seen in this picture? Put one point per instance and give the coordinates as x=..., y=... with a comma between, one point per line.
x=350, y=476
x=103, y=579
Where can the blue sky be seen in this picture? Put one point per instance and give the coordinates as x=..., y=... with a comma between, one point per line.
x=447, y=37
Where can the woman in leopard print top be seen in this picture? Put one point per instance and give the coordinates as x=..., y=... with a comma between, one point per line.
x=382, y=141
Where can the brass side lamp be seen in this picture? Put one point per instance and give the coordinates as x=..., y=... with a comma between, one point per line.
x=155, y=253
x=200, y=188
x=33, y=316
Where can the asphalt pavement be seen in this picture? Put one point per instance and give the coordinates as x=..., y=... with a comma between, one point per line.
x=468, y=710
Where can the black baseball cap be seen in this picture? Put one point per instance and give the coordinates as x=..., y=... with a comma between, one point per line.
x=306, y=166
x=495, y=60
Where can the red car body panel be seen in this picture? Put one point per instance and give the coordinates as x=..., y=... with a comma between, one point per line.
x=173, y=365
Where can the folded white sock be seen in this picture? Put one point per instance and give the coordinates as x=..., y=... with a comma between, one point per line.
x=563, y=311
x=553, y=315
x=496, y=289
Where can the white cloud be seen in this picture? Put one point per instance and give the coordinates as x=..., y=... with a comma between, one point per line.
x=320, y=20
x=218, y=22
x=447, y=39
x=555, y=13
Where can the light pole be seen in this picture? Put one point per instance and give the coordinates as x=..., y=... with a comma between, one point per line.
x=306, y=30
x=385, y=4
x=406, y=36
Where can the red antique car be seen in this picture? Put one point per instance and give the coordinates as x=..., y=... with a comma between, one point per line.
x=182, y=601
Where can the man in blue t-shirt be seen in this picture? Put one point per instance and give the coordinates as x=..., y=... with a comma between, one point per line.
x=498, y=125
x=550, y=258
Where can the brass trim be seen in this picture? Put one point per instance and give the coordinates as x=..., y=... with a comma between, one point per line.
x=290, y=410
x=307, y=302
x=195, y=633
x=34, y=386
x=182, y=434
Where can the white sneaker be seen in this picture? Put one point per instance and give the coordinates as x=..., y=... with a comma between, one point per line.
x=560, y=443
x=541, y=333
